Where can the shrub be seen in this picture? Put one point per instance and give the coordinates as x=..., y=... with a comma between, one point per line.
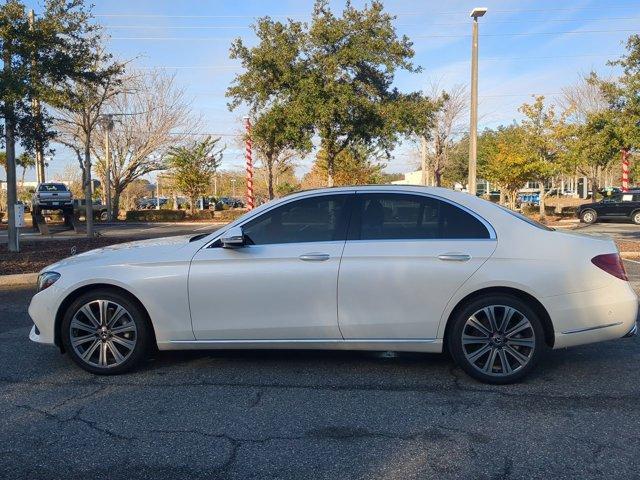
x=202, y=215
x=229, y=215
x=155, y=215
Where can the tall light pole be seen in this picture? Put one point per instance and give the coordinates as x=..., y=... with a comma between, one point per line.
x=473, y=126
x=108, y=126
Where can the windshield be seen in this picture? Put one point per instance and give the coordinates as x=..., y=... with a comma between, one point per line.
x=52, y=187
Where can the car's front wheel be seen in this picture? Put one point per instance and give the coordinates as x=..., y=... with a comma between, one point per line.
x=496, y=339
x=588, y=216
x=635, y=218
x=105, y=332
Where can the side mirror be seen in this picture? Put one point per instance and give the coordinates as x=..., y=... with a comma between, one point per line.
x=233, y=238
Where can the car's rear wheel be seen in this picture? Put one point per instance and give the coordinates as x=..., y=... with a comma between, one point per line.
x=105, y=333
x=636, y=217
x=496, y=339
x=104, y=216
x=588, y=216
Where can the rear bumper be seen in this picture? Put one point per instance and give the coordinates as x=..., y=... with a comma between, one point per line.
x=593, y=316
x=633, y=332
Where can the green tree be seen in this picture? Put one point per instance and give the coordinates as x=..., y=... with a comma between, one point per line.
x=593, y=146
x=504, y=160
x=277, y=136
x=337, y=75
x=281, y=121
x=354, y=166
x=351, y=65
x=623, y=94
x=40, y=65
x=192, y=167
x=542, y=131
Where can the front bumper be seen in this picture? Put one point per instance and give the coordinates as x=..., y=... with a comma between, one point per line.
x=42, y=311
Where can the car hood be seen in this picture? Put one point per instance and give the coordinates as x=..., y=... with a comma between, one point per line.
x=156, y=250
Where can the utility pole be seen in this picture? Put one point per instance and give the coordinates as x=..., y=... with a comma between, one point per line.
x=423, y=158
x=37, y=113
x=108, y=126
x=473, y=126
x=10, y=147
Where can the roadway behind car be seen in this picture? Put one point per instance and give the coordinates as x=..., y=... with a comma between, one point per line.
x=314, y=414
x=126, y=230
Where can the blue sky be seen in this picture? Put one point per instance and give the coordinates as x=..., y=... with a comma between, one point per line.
x=526, y=48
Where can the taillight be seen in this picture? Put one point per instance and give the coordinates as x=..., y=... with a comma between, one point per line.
x=611, y=263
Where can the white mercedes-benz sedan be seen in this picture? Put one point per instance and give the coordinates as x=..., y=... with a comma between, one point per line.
x=364, y=268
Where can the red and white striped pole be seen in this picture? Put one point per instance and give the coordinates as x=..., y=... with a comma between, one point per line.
x=625, y=169
x=249, y=168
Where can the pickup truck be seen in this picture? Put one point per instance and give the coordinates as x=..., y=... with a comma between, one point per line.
x=52, y=196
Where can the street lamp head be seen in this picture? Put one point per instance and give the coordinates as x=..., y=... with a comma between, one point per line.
x=478, y=12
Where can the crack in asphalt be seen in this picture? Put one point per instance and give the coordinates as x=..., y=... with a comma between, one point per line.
x=433, y=434
x=502, y=391
x=75, y=418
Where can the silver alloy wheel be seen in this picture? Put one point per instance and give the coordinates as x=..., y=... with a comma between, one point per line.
x=103, y=333
x=498, y=340
x=636, y=218
x=588, y=217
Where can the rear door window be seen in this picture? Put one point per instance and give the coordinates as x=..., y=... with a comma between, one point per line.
x=393, y=216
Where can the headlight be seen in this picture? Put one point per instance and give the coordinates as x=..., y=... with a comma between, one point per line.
x=46, y=279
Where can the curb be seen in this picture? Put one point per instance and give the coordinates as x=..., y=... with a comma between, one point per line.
x=19, y=279
x=630, y=255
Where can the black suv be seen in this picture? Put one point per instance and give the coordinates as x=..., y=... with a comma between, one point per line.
x=622, y=205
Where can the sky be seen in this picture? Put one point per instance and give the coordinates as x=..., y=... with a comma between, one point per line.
x=525, y=48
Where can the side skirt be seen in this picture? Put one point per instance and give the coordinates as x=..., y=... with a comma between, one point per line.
x=430, y=345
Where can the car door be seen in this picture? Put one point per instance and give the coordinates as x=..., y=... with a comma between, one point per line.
x=405, y=256
x=282, y=285
x=626, y=205
x=610, y=206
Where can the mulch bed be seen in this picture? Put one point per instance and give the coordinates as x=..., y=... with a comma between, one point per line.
x=628, y=246
x=35, y=255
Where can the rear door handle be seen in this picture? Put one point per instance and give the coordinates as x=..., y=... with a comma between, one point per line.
x=314, y=257
x=454, y=257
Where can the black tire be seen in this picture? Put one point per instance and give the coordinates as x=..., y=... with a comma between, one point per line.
x=589, y=216
x=142, y=337
x=103, y=216
x=497, y=375
x=635, y=217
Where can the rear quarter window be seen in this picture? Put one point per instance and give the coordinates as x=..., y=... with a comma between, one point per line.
x=526, y=219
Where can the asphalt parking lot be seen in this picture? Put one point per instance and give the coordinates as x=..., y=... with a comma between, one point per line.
x=326, y=415
x=616, y=230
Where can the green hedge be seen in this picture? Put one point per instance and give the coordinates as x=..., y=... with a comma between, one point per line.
x=180, y=215
x=229, y=215
x=202, y=215
x=155, y=215
x=566, y=211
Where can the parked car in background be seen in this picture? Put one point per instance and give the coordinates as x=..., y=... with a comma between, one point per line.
x=396, y=268
x=52, y=196
x=618, y=206
x=152, y=202
x=99, y=210
x=230, y=202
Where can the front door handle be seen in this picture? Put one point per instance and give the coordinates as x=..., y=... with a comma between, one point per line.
x=314, y=257
x=454, y=257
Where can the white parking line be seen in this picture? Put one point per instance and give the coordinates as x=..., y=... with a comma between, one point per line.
x=632, y=261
